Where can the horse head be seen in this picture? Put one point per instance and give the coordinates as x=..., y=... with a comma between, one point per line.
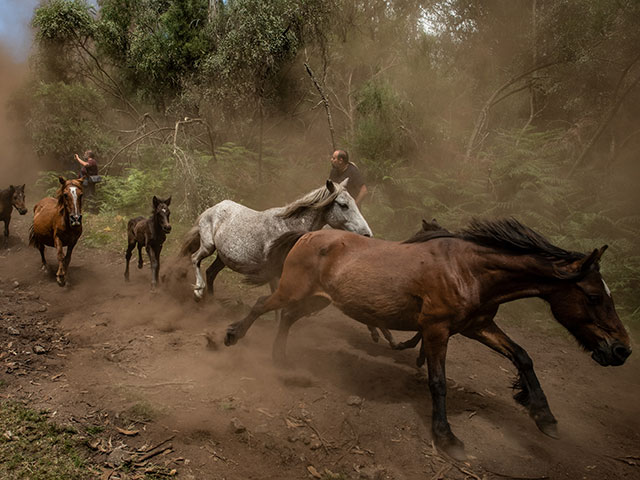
x=161, y=213
x=343, y=213
x=17, y=198
x=583, y=304
x=70, y=199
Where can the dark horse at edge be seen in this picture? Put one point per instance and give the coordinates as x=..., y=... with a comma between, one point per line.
x=447, y=285
x=149, y=233
x=10, y=198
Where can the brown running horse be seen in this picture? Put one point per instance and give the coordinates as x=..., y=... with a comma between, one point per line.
x=444, y=285
x=57, y=222
x=149, y=233
x=9, y=198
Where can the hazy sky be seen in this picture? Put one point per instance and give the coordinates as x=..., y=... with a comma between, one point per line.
x=15, y=33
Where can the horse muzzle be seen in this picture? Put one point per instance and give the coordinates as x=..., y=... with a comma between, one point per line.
x=614, y=354
x=75, y=220
x=166, y=228
x=22, y=211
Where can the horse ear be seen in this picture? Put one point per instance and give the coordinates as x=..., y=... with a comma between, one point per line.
x=62, y=180
x=330, y=186
x=425, y=224
x=155, y=201
x=579, y=267
x=343, y=183
x=24, y=185
x=167, y=202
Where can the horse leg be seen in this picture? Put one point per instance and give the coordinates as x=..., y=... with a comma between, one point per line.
x=127, y=257
x=212, y=272
x=373, y=331
x=529, y=392
x=435, y=337
x=154, y=266
x=6, y=232
x=290, y=315
x=206, y=249
x=140, y=262
x=60, y=274
x=273, y=286
x=44, y=261
x=67, y=257
x=265, y=304
x=158, y=264
x=388, y=337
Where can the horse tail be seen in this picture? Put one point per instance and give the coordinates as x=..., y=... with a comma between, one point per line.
x=191, y=242
x=272, y=267
x=32, y=237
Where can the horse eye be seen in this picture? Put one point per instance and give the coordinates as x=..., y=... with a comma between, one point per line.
x=344, y=206
x=594, y=299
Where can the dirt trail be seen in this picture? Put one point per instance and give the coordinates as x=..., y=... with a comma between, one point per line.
x=116, y=355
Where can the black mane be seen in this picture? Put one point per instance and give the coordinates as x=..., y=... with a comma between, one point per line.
x=506, y=234
x=509, y=234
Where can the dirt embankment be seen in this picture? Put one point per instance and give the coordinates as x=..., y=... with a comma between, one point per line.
x=103, y=355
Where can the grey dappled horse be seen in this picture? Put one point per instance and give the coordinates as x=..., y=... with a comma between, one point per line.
x=242, y=236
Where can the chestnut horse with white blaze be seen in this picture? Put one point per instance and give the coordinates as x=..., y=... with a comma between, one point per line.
x=443, y=284
x=57, y=222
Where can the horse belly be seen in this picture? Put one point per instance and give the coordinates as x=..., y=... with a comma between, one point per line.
x=384, y=311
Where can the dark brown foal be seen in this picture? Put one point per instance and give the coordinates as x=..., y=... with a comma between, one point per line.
x=149, y=233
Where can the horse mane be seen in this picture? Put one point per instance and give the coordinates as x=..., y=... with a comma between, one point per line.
x=316, y=199
x=509, y=234
x=506, y=234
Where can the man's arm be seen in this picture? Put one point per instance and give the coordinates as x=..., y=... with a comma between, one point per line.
x=80, y=161
x=361, y=194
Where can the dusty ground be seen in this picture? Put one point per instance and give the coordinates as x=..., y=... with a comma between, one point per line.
x=117, y=356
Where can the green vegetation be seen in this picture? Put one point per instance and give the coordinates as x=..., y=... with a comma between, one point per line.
x=33, y=448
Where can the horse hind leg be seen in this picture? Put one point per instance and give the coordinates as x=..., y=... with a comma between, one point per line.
x=44, y=261
x=290, y=315
x=140, y=261
x=375, y=336
x=127, y=257
x=206, y=249
x=212, y=272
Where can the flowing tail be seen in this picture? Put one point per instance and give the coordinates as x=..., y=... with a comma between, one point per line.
x=191, y=242
x=32, y=238
x=272, y=267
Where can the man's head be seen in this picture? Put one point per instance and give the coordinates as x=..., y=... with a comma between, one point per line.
x=340, y=159
x=89, y=154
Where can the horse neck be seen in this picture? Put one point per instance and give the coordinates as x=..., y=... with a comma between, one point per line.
x=515, y=276
x=308, y=219
x=156, y=229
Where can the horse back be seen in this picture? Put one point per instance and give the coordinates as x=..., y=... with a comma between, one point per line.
x=138, y=230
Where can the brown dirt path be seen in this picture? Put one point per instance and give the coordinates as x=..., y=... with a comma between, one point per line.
x=116, y=355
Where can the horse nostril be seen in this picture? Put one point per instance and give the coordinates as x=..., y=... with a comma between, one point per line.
x=621, y=352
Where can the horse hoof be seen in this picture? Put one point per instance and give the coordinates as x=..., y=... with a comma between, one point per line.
x=230, y=337
x=61, y=281
x=549, y=429
x=453, y=448
x=140, y=265
x=198, y=295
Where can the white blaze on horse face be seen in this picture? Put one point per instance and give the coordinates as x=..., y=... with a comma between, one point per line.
x=606, y=288
x=74, y=195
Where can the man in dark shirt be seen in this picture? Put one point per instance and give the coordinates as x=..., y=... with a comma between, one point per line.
x=341, y=168
x=88, y=171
